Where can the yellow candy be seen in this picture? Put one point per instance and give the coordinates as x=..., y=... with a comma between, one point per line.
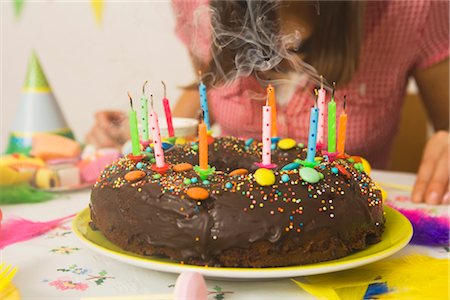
x=264, y=177
x=286, y=144
x=366, y=165
x=10, y=176
x=180, y=141
x=45, y=179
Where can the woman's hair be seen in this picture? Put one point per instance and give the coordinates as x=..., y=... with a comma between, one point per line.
x=247, y=41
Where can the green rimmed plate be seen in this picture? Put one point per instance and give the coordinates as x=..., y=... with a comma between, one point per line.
x=397, y=234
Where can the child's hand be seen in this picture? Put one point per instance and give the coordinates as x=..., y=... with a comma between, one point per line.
x=432, y=183
x=110, y=130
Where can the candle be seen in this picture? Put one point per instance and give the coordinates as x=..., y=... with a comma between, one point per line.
x=266, y=134
x=156, y=136
x=342, y=130
x=134, y=133
x=273, y=104
x=203, y=145
x=321, y=107
x=144, y=114
x=332, y=124
x=168, y=113
x=204, y=102
x=313, y=121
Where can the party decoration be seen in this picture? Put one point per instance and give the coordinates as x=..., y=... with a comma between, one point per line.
x=97, y=7
x=203, y=169
x=342, y=130
x=38, y=111
x=134, y=132
x=18, y=7
x=23, y=193
x=204, y=102
x=17, y=230
x=273, y=104
x=332, y=123
x=428, y=230
x=321, y=121
x=410, y=277
x=144, y=117
x=160, y=166
x=266, y=137
x=168, y=113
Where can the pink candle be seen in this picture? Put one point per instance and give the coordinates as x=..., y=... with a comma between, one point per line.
x=156, y=136
x=321, y=107
x=168, y=113
x=266, y=134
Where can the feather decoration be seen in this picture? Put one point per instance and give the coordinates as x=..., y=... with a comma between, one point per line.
x=428, y=230
x=410, y=277
x=22, y=193
x=17, y=230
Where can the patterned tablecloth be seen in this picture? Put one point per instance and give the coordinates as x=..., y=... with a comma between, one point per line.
x=57, y=266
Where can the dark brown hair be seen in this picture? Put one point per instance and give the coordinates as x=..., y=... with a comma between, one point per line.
x=247, y=41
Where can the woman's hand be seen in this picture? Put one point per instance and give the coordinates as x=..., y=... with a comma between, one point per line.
x=432, y=183
x=110, y=130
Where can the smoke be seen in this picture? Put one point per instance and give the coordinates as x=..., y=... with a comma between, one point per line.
x=247, y=42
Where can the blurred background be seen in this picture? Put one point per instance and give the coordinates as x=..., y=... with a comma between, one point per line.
x=92, y=56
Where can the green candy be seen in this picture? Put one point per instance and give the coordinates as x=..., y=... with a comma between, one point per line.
x=309, y=175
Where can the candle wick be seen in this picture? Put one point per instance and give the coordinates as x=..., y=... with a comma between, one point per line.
x=131, y=100
x=345, y=102
x=334, y=89
x=199, y=72
x=164, y=85
x=143, y=87
x=151, y=101
x=321, y=82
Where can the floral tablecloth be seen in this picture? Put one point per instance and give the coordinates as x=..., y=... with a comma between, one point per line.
x=57, y=266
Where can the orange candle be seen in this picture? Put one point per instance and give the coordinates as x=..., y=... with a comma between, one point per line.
x=203, y=145
x=273, y=104
x=342, y=131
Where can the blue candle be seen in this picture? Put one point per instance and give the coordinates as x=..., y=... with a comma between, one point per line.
x=204, y=104
x=312, y=138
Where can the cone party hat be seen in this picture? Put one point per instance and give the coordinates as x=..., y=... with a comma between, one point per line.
x=38, y=111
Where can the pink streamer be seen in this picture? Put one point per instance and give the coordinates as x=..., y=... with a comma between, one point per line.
x=17, y=230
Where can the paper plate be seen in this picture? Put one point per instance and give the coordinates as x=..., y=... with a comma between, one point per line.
x=396, y=236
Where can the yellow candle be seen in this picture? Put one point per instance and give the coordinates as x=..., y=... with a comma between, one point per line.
x=203, y=145
x=342, y=131
x=273, y=104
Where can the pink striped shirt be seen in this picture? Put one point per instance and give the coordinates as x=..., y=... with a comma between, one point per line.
x=399, y=37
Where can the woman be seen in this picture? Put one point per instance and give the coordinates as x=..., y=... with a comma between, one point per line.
x=369, y=48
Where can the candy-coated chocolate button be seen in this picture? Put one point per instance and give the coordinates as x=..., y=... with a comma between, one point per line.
x=264, y=177
x=286, y=144
x=309, y=175
x=291, y=166
x=182, y=167
x=180, y=141
x=238, y=172
x=285, y=178
x=134, y=176
x=197, y=193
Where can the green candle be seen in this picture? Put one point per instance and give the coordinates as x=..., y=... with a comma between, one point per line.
x=144, y=114
x=332, y=124
x=134, y=133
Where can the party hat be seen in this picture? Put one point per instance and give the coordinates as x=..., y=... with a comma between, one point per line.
x=38, y=111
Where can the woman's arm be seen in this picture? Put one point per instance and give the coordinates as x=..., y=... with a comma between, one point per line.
x=432, y=184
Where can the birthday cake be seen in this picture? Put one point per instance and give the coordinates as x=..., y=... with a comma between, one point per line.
x=241, y=215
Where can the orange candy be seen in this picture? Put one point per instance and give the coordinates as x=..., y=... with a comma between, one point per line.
x=134, y=176
x=182, y=167
x=197, y=193
x=238, y=172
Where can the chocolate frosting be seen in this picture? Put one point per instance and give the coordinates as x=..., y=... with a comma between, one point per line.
x=156, y=213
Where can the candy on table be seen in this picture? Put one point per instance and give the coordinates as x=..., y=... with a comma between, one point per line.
x=19, y=161
x=45, y=179
x=11, y=176
x=94, y=162
x=68, y=173
x=51, y=146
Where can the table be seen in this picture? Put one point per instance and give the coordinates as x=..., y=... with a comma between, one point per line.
x=57, y=266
